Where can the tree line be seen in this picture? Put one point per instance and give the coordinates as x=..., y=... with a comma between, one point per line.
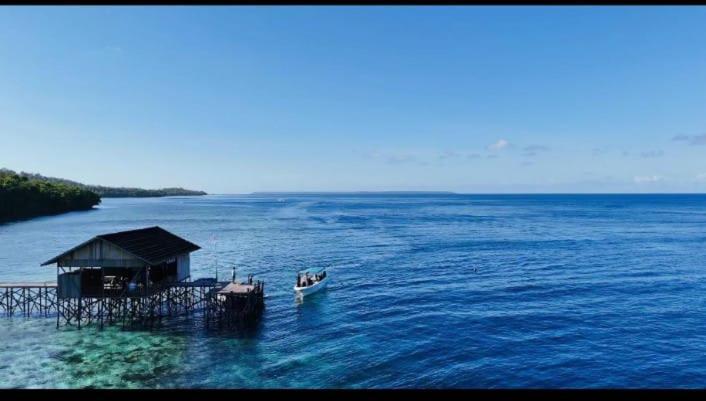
x=118, y=192
x=24, y=197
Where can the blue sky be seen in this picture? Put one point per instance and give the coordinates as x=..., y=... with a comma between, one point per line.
x=467, y=99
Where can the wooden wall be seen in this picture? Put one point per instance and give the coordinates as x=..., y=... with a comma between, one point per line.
x=100, y=253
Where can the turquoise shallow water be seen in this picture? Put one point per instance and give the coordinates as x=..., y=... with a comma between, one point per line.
x=426, y=291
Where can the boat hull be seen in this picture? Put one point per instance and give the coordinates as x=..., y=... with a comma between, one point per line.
x=312, y=289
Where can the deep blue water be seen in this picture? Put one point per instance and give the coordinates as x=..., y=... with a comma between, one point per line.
x=427, y=291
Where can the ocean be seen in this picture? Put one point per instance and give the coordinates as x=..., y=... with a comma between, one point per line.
x=426, y=291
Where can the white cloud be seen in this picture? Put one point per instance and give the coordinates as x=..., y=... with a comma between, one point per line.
x=647, y=179
x=693, y=140
x=701, y=177
x=534, y=150
x=423, y=158
x=500, y=144
x=452, y=154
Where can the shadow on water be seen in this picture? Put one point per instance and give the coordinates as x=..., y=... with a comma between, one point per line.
x=310, y=309
x=241, y=330
x=9, y=221
x=187, y=325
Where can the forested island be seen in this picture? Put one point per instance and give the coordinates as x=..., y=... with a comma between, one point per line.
x=24, y=195
x=122, y=192
x=118, y=192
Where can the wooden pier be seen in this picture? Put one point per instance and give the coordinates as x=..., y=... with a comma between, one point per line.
x=131, y=277
x=143, y=309
x=28, y=299
x=222, y=303
x=41, y=300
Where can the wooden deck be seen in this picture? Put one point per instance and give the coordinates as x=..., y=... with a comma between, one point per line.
x=236, y=288
x=236, y=303
x=202, y=282
x=44, y=284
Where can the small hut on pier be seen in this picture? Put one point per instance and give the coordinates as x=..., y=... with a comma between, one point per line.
x=126, y=263
x=135, y=276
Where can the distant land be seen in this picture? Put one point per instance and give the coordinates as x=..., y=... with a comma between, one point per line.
x=24, y=195
x=358, y=193
x=118, y=192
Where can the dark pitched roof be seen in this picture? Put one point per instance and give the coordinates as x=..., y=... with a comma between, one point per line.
x=153, y=244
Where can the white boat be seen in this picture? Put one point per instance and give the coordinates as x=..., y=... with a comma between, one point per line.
x=310, y=281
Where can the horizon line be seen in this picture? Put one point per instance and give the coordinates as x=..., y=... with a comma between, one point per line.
x=447, y=193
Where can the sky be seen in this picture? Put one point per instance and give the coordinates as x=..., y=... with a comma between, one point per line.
x=465, y=99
